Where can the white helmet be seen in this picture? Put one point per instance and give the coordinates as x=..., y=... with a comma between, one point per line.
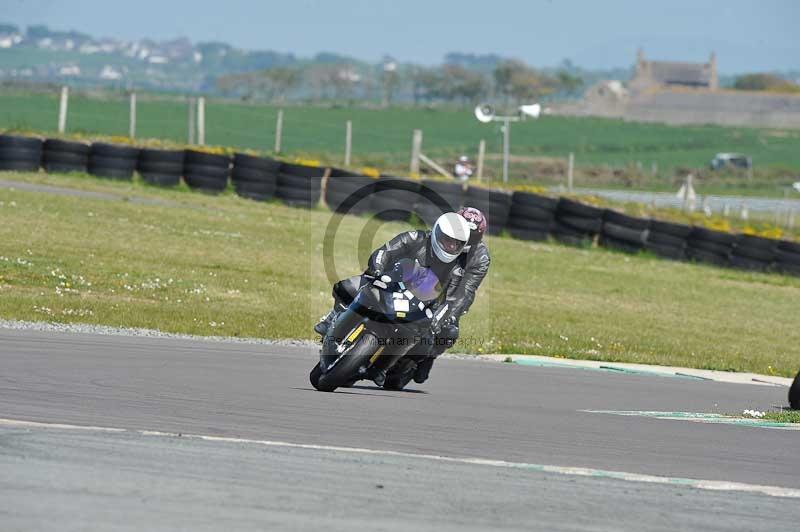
x=449, y=236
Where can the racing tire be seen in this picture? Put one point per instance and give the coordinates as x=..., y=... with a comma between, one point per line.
x=624, y=220
x=668, y=228
x=624, y=233
x=301, y=170
x=791, y=247
x=665, y=239
x=23, y=143
x=529, y=199
x=794, y=394
x=114, y=151
x=666, y=251
x=709, y=235
x=194, y=157
x=711, y=247
x=349, y=363
x=746, y=263
x=576, y=208
x=262, y=164
x=581, y=224
x=530, y=212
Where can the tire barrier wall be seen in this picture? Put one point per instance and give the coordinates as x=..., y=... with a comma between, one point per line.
x=63, y=156
x=113, y=161
x=394, y=198
x=23, y=154
x=163, y=168
x=299, y=185
x=524, y=215
x=577, y=223
x=436, y=198
x=348, y=192
x=623, y=232
x=531, y=216
x=255, y=177
x=206, y=172
x=495, y=204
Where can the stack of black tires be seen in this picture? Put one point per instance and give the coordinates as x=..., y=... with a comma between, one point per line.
x=299, y=185
x=531, y=216
x=495, y=204
x=667, y=239
x=206, y=172
x=623, y=232
x=347, y=192
x=162, y=168
x=577, y=224
x=113, y=161
x=253, y=177
x=436, y=198
x=752, y=253
x=787, y=257
x=394, y=198
x=64, y=156
x=23, y=154
x=709, y=246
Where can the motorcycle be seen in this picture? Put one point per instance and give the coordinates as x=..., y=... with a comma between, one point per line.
x=388, y=316
x=794, y=393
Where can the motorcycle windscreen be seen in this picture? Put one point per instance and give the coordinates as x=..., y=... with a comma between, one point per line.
x=421, y=281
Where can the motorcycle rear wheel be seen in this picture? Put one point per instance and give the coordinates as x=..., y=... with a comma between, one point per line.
x=400, y=375
x=346, y=369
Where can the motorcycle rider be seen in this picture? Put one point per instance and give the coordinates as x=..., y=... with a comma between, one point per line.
x=460, y=263
x=473, y=265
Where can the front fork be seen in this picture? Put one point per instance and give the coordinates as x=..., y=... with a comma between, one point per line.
x=348, y=328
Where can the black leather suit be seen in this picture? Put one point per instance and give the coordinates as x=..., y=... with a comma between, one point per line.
x=461, y=279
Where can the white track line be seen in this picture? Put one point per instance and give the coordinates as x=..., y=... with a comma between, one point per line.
x=713, y=485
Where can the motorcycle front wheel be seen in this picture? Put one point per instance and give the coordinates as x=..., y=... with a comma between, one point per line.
x=347, y=367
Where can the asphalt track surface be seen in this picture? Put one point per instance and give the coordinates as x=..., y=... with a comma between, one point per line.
x=62, y=478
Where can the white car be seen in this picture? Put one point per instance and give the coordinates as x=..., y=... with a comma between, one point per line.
x=736, y=160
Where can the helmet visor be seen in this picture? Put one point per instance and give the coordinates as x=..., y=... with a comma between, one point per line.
x=448, y=243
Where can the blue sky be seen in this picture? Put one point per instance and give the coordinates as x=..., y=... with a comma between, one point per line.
x=747, y=35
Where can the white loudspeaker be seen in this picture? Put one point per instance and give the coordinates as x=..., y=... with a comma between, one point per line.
x=484, y=113
x=533, y=110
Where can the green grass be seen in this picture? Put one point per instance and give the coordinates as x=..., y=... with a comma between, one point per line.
x=228, y=266
x=382, y=138
x=784, y=416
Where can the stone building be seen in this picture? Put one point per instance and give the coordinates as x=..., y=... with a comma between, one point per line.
x=676, y=92
x=666, y=74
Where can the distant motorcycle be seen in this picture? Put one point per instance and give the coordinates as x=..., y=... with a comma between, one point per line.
x=794, y=393
x=388, y=316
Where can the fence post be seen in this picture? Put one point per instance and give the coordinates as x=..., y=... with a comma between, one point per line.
x=132, y=121
x=278, y=131
x=201, y=121
x=416, y=149
x=570, y=171
x=62, y=109
x=190, y=137
x=481, y=156
x=348, y=142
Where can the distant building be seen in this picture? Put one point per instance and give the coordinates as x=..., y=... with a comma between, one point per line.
x=675, y=92
x=659, y=74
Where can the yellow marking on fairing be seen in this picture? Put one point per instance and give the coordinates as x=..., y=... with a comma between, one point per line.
x=374, y=357
x=355, y=333
x=401, y=314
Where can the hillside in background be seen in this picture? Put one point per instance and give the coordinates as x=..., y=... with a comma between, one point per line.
x=38, y=54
